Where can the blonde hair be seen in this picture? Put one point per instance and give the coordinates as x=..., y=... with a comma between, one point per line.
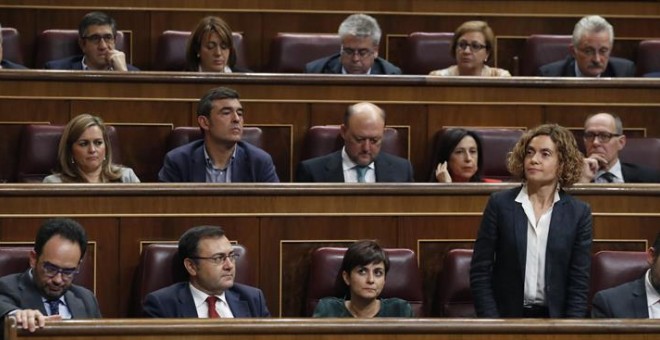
x=570, y=157
x=66, y=168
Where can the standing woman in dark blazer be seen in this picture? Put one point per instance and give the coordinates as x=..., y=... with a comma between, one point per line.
x=532, y=256
x=211, y=48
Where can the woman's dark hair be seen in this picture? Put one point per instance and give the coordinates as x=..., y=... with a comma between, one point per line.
x=209, y=25
x=362, y=253
x=448, y=141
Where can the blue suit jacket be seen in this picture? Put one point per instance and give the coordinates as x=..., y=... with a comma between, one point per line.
x=74, y=63
x=187, y=164
x=624, y=301
x=17, y=291
x=176, y=301
x=328, y=168
x=497, y=273
x=332, y=64
x=616, y=67
x=11, y=65
x=633, y=173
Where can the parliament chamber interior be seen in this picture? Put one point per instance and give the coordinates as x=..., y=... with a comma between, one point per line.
x=295, y=116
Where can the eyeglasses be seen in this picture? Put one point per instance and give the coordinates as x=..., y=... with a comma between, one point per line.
x=592, y=52
x=219, y=258
x=52, y=270
x=96, y=38
x=474, y=46
x=362, y=53
x=603, y=137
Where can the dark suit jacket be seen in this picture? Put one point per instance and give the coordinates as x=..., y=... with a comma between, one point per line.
x=328, y=168
x=187, y=164
x=74, y=63
x=633, y=173
x=616, y=67
x=624, y=301
x=176, y=301
x=17, y=291
x=332, y=64
x=497, y=273
x=11, y=65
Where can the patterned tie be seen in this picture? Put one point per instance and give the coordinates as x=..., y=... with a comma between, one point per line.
x=213, y=313
x=54, y=307
x=361, y=171
x=608, y=176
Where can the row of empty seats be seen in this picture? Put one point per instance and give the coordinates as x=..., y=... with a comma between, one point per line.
x=289, y=52
x=38, y=147
x=160, y=267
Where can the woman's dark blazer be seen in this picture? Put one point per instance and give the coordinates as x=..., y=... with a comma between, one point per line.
x=497, y=273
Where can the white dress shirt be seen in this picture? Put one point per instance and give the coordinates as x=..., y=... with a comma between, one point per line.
x=350, y=173
x=202, y=306
x=652, y=297
x=537, y=241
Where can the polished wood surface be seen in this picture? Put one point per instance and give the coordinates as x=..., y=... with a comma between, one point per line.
x=313, y=329
x=145, y=106
x=280, y=224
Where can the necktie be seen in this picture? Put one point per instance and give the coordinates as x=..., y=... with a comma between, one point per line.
x=361, y=171
x=213, y=313
x=54, y=307
x=608, y=176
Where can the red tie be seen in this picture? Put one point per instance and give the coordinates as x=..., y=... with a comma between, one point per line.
x=213, y=314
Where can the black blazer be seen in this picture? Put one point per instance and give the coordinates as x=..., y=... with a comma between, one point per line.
x=624, y=301
x=497, y=272
x=328, y=168
x=616, y=67
x=633, y=173
x=332, y=64
x=74, y=63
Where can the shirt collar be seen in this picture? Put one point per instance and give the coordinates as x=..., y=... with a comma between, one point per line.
x=614, y=170
x=343, y=70
x=347, y=163
x=579, y=74
x=209, y=161
x=199, y=297
x=652, y=294
x=523, y=195
x=86, y=68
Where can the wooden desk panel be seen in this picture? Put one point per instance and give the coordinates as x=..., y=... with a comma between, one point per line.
x=371, y=329
x=281, y=223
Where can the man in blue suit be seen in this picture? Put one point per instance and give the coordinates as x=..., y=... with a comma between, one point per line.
x=221, y=156
x=636, y=299
x=211, y=292
x=97, y=32
x=590, y=50
x=360, y=37
x=360, y=160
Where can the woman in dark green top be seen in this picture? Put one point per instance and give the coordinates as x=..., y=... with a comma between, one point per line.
x=363, y=270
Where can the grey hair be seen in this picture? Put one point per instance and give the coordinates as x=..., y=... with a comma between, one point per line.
x=591, y=24
x=361, y=26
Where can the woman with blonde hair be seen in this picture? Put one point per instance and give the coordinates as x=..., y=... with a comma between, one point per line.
x=85, y=155
x=532, y=256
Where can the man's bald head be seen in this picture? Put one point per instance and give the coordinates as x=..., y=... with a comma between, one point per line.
x=363, y=129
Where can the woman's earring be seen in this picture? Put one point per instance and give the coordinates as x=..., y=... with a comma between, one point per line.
x=72, y=161
x=197, y=55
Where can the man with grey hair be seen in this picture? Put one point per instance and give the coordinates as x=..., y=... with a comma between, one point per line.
x=6, y=64
x=360, y=38
x=590, y=50
x=603, y=140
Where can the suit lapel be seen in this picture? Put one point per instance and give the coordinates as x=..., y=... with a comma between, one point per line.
x=239, y=308
x=238, y=173
x=383, y=169
x=186, y=302
x=333, y=168
x=30, y=296
x=556, y=234
x=520, y=231
x=75, y=305
x=198, y=166
x=639, y=303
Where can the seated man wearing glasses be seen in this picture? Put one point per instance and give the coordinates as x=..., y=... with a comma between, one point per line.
x=360, y=36
x=211, y=292
x=603, y=139
x=45, y=291
x=590, y=52
x=96, y=36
